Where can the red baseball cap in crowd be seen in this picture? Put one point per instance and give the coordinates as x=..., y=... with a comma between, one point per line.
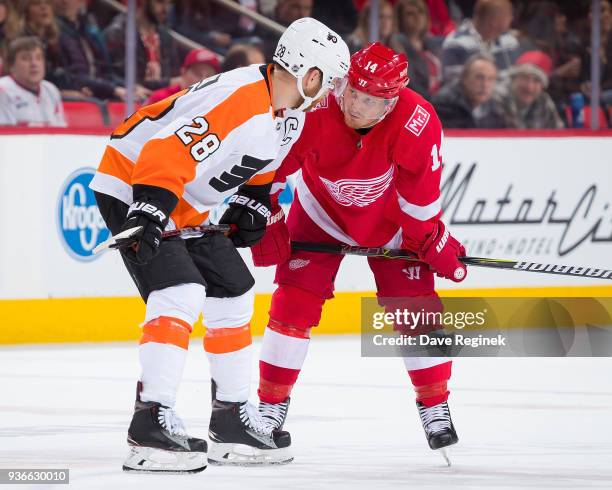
x=202, y=55
x=537, y=63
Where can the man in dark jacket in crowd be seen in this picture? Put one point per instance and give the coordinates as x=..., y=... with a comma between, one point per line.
x=158, y=55
x=84, y=62
x=469, y=103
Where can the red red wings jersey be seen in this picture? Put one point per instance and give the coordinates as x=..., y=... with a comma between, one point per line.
x=369, y=189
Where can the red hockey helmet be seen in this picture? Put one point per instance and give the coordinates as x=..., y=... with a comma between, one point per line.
x=378, y=71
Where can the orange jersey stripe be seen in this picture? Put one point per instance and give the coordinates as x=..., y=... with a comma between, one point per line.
x=168, y=162
x=224, y=340
x=167, y=330
x=115, y=164
x=261, y=179
x=185, y=215
x=151, y=112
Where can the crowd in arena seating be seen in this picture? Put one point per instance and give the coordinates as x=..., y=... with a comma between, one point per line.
x=521, y=64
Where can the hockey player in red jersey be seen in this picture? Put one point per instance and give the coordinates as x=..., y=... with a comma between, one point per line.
x=370, y=176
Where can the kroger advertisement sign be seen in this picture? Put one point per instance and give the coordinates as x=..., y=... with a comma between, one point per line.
x=80, y=223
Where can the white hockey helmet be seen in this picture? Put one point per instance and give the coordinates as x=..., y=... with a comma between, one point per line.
x=308, y=43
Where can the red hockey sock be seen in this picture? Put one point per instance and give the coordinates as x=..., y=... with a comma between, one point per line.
x=282, y=355
x=430, y=384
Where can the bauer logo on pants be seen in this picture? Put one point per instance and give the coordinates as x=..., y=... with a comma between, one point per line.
x=80, y=224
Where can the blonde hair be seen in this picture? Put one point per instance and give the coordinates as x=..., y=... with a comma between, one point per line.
x=13, y=24
x=51, y=32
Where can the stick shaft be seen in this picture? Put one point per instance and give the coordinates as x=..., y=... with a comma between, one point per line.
x=197, y=230
x=542, y=268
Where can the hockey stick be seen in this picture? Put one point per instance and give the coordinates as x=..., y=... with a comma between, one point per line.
x=125, y=238
x=389, y=253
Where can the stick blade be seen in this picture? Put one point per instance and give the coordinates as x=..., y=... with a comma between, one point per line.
x=119, y=240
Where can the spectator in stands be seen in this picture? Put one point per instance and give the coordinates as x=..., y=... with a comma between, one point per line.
x=158, y=54
x=525, y=101
x=605, y=54
x=424, y=68
x=485, y=33
x=339, y=15
x=242, y=55
x=10, y=27
x=40, y=21
x=545, y=29
x=469, y=102
x=387, y=29
x=285, y=12
x=198, y=65
x=288, y=11
x=207, y=23
x=84, y=64
x=26, y=99
x=440, y=22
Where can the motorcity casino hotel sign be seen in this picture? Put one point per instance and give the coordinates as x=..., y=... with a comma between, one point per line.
x=80, y=223
x=559, y=218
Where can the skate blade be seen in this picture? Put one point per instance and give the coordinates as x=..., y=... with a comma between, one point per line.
x=445, y=453
x=229, y=454
x=153, y=460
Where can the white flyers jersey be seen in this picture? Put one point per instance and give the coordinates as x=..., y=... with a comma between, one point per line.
x=201, y=144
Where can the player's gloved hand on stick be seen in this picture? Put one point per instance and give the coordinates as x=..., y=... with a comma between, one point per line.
x=249, y=215
x=153, y=218
x=440, y=251
x=275, y=246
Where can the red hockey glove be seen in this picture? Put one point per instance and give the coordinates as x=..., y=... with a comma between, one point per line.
x=440, y=251
x=275, y=246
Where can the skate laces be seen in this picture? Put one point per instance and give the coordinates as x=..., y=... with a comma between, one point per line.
x=436, y=418
x=250, y=416
x=170, y=421
x=274, y=411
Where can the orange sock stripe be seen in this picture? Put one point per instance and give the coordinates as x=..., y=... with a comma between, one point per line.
x=167, y=330
x=224, y=340
x=431, y=390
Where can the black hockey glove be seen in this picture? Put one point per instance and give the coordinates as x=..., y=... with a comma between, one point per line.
x=249, y=212
x=149, y=213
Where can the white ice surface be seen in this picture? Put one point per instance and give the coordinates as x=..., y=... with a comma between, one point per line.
x=522, y=423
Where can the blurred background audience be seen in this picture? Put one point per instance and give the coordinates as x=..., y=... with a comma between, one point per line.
x=482, y=63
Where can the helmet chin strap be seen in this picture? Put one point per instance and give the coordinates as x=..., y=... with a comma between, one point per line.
x=307, y=100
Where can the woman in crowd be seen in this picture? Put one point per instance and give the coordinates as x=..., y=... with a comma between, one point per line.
x=424, y=67
x=10, y=27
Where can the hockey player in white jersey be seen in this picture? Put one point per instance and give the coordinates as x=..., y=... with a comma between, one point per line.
x=167, y=166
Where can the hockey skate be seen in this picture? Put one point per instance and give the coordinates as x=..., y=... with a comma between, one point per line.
x=438, y=427
x=275, y=413
x=159, y=443
x=240, y=436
